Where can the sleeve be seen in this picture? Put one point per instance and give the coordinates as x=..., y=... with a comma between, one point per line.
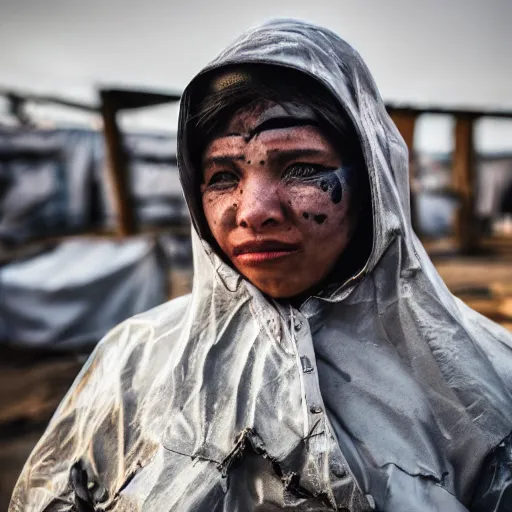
x=494, y=487
x=72, y=465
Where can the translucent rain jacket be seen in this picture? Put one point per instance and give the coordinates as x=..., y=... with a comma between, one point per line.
x=386, y=393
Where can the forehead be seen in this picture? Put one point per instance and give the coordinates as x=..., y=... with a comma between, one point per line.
x=267, y=114
x=271, y=142
x=271, y=125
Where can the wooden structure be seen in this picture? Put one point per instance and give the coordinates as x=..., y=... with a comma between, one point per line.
x=483, y=282
x=463, y=187
x=112, y=102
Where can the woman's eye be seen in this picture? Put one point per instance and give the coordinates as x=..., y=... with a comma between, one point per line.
x=223, y=179
x=303, y=170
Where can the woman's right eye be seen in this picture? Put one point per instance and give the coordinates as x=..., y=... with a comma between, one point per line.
x=223, y=179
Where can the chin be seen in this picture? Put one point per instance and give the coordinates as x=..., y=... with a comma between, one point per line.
x=276, y=290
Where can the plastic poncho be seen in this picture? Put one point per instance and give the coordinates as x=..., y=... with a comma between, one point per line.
x=386, y=393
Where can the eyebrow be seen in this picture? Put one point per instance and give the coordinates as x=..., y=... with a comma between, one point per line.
x=276, y=123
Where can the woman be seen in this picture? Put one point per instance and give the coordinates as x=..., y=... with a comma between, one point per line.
x=320, y=363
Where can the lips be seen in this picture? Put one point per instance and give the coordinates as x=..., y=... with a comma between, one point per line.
x=255, y=251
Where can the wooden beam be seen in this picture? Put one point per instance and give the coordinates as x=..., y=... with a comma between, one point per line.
x=126, y=99
x=112, y=101
x=463, y=179
x=500, y=114
x=405, y=121
x=116, y=166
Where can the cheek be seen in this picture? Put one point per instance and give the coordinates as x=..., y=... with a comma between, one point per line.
x=219, y=210
x=315, y=210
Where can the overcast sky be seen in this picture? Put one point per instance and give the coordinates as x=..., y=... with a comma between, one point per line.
x=442, y=52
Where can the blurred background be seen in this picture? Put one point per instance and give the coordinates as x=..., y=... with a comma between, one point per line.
x=93, y=227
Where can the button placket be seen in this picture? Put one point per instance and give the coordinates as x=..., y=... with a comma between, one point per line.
x=320, y=438
x=304, y=343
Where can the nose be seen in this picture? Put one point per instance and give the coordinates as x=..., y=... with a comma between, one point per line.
x=260, y=206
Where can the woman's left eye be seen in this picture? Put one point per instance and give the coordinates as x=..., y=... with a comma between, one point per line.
x=223, y=179
x=303, y=170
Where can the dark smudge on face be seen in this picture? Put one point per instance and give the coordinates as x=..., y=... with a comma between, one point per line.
x=305, y=215
x=320, y=219
x=332, y=183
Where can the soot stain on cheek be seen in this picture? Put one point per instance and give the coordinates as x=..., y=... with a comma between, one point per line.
x=305, y=215
x=262, y=162
x=320, y=219
x=332, y=184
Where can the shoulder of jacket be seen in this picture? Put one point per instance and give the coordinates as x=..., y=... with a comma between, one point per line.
x=142, y=328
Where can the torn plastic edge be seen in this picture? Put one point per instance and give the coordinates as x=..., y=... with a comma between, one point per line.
x=250, y=439
x=425, y=476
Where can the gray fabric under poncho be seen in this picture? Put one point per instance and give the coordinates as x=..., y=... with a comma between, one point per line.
x=385, y=394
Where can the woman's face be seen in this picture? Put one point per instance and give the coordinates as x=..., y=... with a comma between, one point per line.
x=276, y=198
